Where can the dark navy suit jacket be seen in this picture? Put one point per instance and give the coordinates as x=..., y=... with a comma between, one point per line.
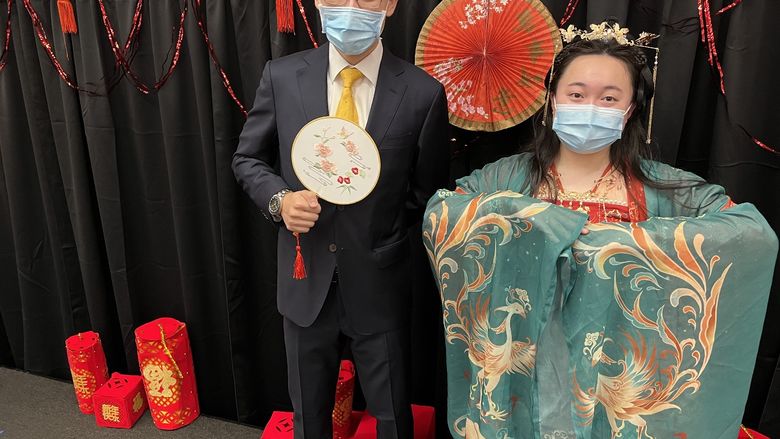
x=367, y=241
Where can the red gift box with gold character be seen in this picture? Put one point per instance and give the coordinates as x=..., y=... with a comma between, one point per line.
x=280, y=426
x=165, y=359
x=120, y=402
x=87, y=366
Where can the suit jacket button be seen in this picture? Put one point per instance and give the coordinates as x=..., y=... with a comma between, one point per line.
x=332, y=248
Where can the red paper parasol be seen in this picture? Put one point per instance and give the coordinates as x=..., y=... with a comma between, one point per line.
x=492, y=57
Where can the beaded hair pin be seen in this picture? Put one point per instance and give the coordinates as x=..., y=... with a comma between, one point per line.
x=604, y=32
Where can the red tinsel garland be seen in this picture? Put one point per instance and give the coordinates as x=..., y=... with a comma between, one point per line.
x=131, y=42
x=708, y=38
x=306, y=22
x=120, y=53
x=213, y=54
x=47, y=47
x=569, y=12
x=726, y=8
x=7, y=43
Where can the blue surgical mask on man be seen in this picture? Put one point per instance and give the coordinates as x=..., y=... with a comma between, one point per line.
x=587, y=129
x=351, y=30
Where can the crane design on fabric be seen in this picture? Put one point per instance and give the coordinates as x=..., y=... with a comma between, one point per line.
x=490, y=348
x=634, y=372
x=658, y=363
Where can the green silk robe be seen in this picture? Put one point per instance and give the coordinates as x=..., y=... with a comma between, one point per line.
x=635, y=330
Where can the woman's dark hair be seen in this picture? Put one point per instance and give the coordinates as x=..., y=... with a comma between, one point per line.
x=627, y=153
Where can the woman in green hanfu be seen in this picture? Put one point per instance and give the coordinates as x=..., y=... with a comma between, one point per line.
x=588, y=291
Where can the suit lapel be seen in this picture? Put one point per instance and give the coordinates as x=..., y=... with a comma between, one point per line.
x=313, y=83
x=389, y=92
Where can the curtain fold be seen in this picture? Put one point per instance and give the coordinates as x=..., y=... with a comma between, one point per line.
x=118, y=207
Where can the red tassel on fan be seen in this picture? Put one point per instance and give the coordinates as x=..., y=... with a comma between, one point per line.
x=299, y=271
x=285, y=21
x=67, y=17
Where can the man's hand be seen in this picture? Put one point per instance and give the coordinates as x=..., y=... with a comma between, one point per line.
x=300, y=210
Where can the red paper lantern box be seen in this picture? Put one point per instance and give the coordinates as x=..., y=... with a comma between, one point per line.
x=342, y=410
x=87, y=366
x=120, y=402
x=165, y=359
x=280, y=426
x=424, y=424
x=746, y=433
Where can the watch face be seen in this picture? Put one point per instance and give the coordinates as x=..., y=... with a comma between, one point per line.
x=274, y=206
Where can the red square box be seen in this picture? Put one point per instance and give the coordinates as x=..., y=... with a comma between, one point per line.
x=280, y=426
x=424, y=424
x=120, y=402
x=746, y=433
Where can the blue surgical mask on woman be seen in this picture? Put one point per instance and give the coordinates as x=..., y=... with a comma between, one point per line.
x=351, y=30
x=587, y=129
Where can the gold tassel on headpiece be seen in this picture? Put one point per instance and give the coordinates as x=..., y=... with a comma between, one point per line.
x=605, y=31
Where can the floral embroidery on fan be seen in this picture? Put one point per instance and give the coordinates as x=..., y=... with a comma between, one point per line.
x=457, y=98
x=323, y=150
x=327, y=167
x=478, y=10
x=558, y=434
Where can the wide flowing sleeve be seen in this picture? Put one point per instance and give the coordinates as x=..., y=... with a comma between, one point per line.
x=494, y=255
x=688, y=194
x=664, y=321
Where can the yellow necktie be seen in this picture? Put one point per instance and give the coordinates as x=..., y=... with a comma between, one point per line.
x=347, y=109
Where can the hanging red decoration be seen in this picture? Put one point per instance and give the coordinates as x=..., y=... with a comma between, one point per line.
x=708, y=38
x=285, y=21
x=49, y=49
x=569, y=12
x=306, y=22
x=213, y=54
x=67, y=17
x=131, y=42
x=120, y=53
x=7, y=42
x=726, y=8
x=492, y=61
x=299, y=269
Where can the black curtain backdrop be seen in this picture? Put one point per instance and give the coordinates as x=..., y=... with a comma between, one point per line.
x=119, y=208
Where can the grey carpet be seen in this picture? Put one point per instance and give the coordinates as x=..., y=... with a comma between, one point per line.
x=40, y=408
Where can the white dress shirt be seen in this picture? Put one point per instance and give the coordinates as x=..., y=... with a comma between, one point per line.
x=362, y=90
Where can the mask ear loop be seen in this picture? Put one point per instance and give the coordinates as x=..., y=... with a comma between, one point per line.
x=547, y=94
x=652, y=100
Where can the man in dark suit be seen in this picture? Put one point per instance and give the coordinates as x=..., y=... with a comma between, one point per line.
x=357, y=289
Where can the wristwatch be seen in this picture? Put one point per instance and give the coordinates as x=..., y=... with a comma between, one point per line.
x=275, y=205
